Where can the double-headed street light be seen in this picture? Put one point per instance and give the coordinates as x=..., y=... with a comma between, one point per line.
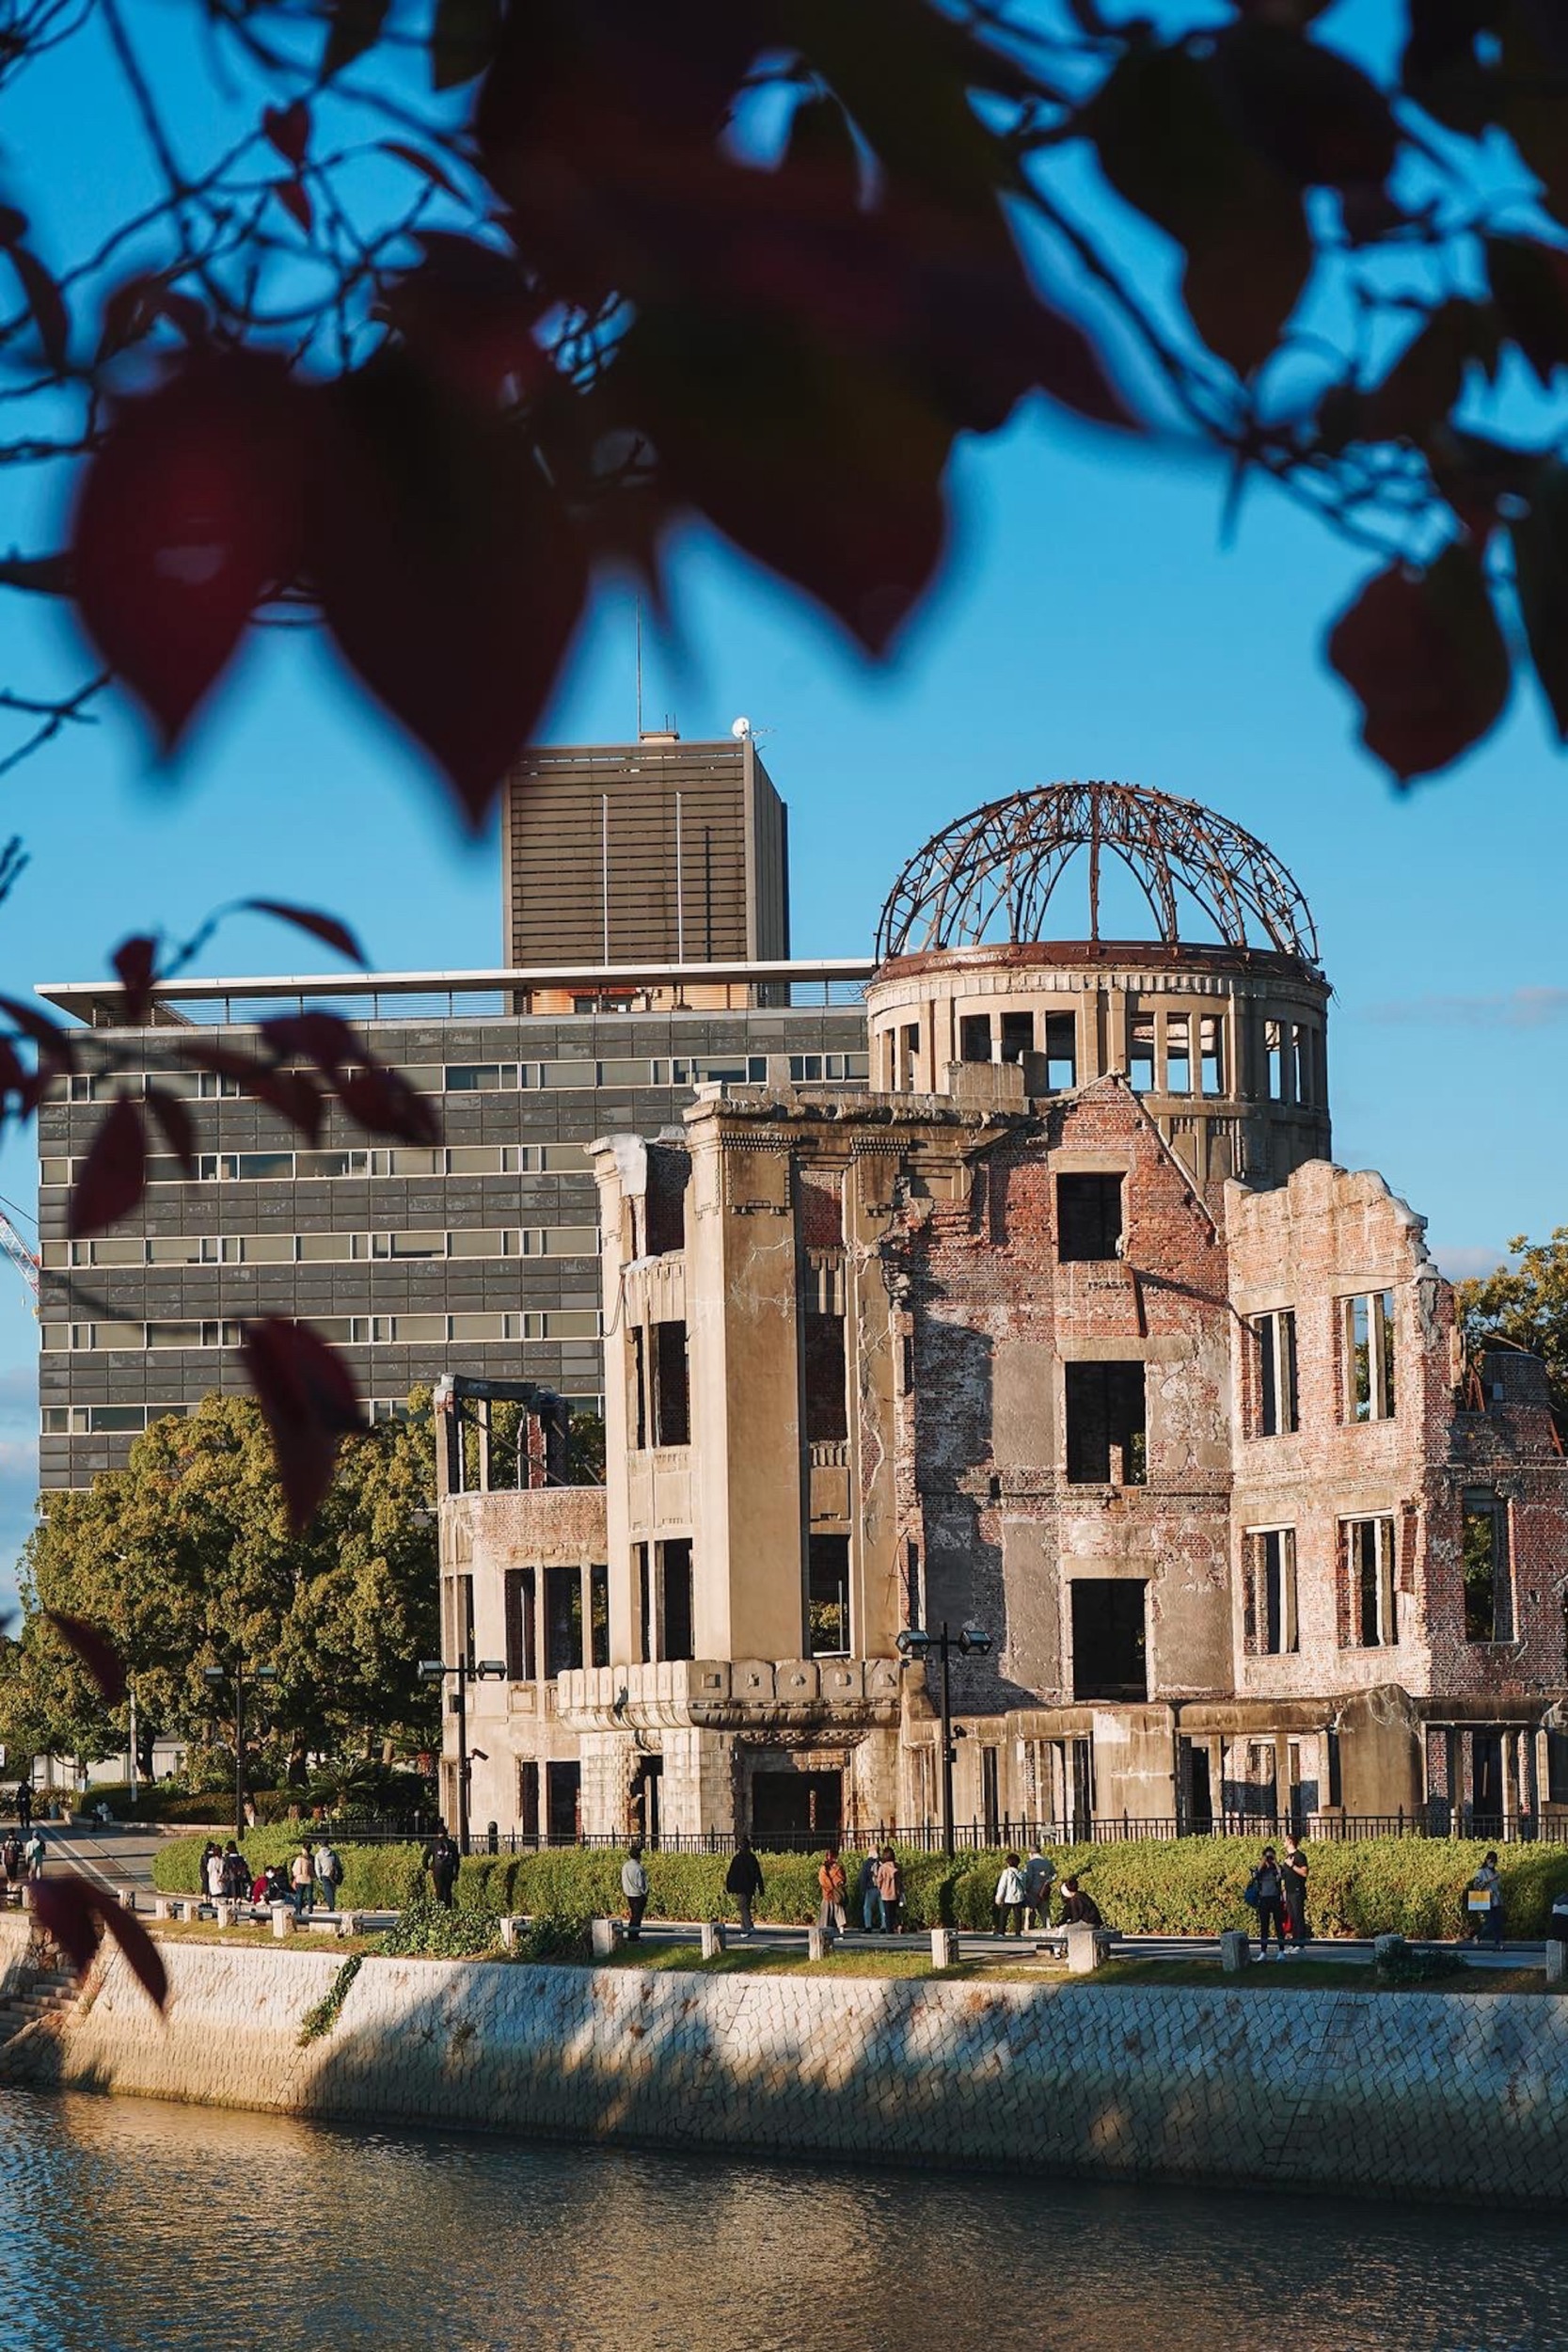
x=217, y=1676
x=914, y=1646
x=464, y=1672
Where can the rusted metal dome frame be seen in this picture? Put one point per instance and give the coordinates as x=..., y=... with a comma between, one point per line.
x=1008, y=859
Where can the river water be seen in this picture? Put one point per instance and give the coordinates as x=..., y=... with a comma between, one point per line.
x=127, y=2226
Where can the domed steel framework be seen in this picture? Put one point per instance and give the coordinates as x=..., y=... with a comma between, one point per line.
x=992, y=875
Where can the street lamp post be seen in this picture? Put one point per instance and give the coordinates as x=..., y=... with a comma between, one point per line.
x=914, y=1646
x=464, y=1672
x=218, y=1675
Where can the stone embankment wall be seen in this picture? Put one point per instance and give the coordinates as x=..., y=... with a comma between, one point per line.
x=1444, y=2095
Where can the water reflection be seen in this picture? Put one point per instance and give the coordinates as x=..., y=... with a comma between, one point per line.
x=126, y=2225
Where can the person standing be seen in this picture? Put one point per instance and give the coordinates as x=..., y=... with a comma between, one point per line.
x=1039, y=1875
x=1008, y=1902
x=1486, y=1915
x=867, y=1900
x=1266, y=1894
x=743, y=1882
x=329, y=1872
x=634, y=1886
x=23, y=1806
x=890, y=1890
x=213, y=1872
x=440, y=1858
x=302, y=1880
x=833, y=1918
x=1293, y=1871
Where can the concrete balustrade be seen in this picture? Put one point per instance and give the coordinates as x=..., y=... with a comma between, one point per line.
x=712, y=1932
x=604, y=1935
x=1556, y=1963
x=945, y=1948
x=283, y=1920
x=819, y=1943
x=1235, y=1950
x=1087, y=1948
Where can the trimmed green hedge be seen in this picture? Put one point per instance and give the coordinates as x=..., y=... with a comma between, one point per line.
x=1410, y=1887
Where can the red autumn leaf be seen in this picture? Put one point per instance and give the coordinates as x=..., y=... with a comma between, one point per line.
x=177, y=1127
x=75, y=1914
x=382, y=1101
x=96, y=1651
x=293, y=1095
x=1425, y=654
x=114, y=1175
x=1529, y=287
x=446, y=568
x=323, y=1038
x=46, y=303
x=325, y=928
x=1305, y=107
x=1413, y=400
x=15, y=1080
x=47, y=1035
x=1540, y=539
x=136, y=961
x=356, y=27
x=188, y=516
x=13, y=225
x=470, y=314
x=463, y=39
x=308, y=1400
x=425, y=165
x=289, y=130
x=295, y=196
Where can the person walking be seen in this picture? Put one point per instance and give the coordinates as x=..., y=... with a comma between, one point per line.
x=329, y=1873
x=1484, y=1902
x=33, y=1855
x=1078, y=1909
x=634, y=1886
x=832, y=1918
x=302, y=1880
x=869, y=1902
x=743, y=1881
x=1008, y=1902
x=890, y=1889
x=1265, y=1892
x=1039, y=1875
x=15, y=1867
x=23, y=1806
x=1293, y=1872
x=440, y=1858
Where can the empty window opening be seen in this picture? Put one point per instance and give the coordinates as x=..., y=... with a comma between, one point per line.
x=911, y=1585
x=674, y=1589
x=1273, y=1057
x=1488, y=1567
x=1140, y=1052
x=643, y=1602
x=598, y=1616
x=527, y=1800
x=824, y=1373
x=1061, y=1051
x=827, y=1597
x=807, y=1807
x=522, y=1650
x=1274, y=1338
x=1301, y=1054
x=563, y=1802
x=1109, y=1645
x=1557, y=1768
x=975, y=1036
x=671, y=1395
x=1018, y=1035
x=1367, y=1355
x=1088, y=1218
x=1106, y=1425
x=1179, y=1053
x=1368, y=1609
x=639, y=1386
x=991, y=1793
x=1269, y=1591
x=911, y=1054
x=562, y=1621
x=1211, y=1045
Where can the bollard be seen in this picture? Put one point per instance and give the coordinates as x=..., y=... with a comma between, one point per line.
x=818, y=1943
x=1557, y=1961
x=1385, y=1947
x=1235, y=1950
x=188, y=1911
x=712, y=1932
x=222, y=1911
x=350, y=1922
x=945, y=1948
x=283, y=1922
x=163, y=1908
x=509, y=1934
x=127, y=1898
x=1087, y=1950
x=606, y=1935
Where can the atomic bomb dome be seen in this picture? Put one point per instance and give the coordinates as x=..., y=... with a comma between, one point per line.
x=1192, y=973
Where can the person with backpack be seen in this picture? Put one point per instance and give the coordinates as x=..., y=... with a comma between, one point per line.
x=329, y=1872
x=14, y=1867
x=634, y=1886
x=1039, y=1875
x=1265, y=1894
x=1008, y=1902
x=868, y=1901
x=743, y=1882
x=440, y=1859
x=236, y=1874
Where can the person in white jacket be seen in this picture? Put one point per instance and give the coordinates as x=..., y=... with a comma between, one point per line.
x=634, y=1886
x=1007, y=1903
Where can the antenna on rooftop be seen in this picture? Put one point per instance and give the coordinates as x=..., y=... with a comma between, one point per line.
x=639, y=669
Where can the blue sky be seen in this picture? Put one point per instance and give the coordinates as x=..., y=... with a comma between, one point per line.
x=1089, y=624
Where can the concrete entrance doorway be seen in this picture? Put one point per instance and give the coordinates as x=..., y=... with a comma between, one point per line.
x=803, y=1807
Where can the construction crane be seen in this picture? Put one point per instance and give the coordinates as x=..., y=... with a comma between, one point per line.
x=24, y=1258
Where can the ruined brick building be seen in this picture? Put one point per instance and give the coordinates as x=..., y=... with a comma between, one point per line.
x=1070, y=1328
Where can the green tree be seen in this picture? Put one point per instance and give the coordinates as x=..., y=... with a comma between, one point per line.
x=187, y=1557
x=1524, y=1304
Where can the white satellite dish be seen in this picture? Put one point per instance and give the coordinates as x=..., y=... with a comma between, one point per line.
x=740, y=729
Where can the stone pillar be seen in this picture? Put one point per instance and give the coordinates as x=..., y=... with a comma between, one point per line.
x=508, y=1933
x=163, y=1908
x=222, y=1911
x=127, y=1898
x=1557, y=1961
x=348, y=1923
x=283, y=1921
x=1087, y=1950
x=945, y=1948
x=713, y=1938
x=818, y=1943
x=1511, y=1782
x=1235, y=1950
x=605, y=1936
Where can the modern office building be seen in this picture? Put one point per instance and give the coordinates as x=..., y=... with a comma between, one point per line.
x=483, y=1249
x=1071, y=1330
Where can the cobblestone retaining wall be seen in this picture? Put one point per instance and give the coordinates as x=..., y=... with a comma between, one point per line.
x=1448, y=2095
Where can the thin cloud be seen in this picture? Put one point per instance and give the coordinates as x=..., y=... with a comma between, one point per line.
x=1519, y=1008
x=1463, y=1262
